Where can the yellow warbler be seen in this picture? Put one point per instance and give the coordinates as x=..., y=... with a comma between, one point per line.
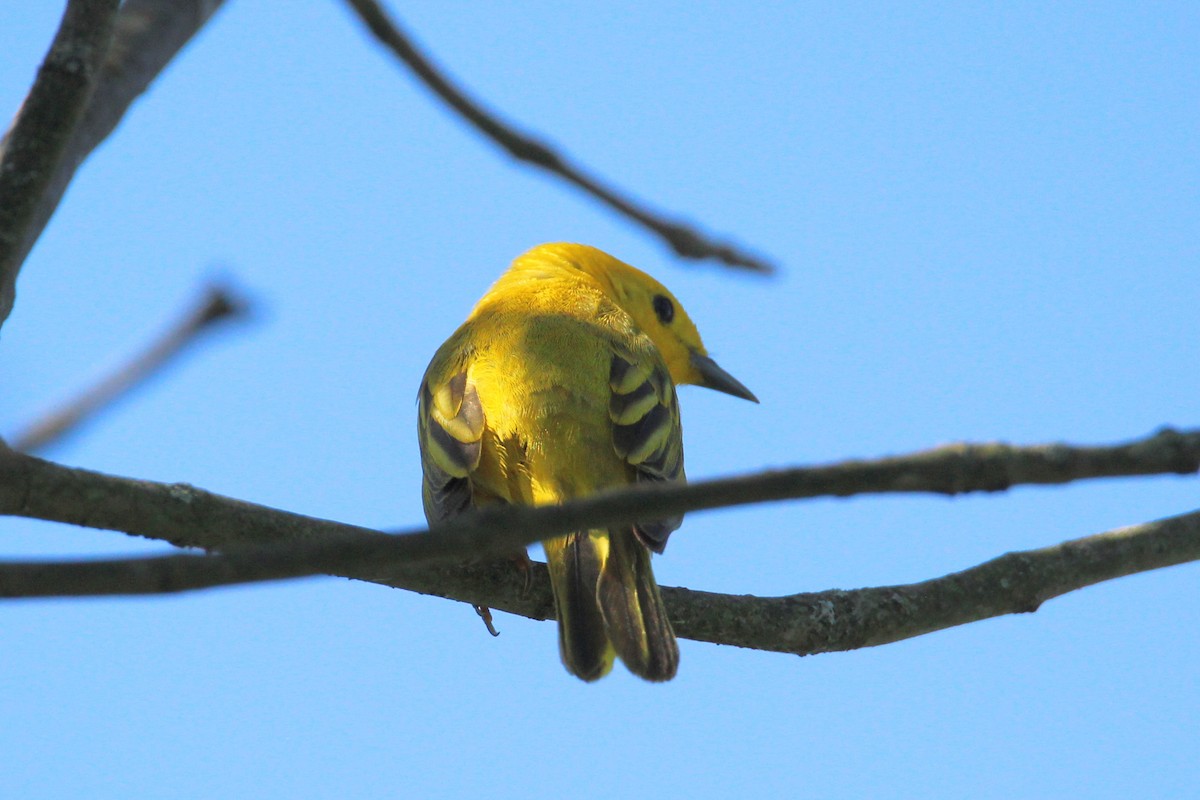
x=561, y=383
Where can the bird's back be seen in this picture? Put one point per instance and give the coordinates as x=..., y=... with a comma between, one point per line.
x=538, y=354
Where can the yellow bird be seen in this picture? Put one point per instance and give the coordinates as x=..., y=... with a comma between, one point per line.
x=561, y=383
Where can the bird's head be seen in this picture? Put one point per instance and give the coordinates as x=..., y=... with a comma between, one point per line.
x=657, y=313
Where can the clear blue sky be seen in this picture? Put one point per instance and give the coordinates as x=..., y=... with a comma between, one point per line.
x=988, y=221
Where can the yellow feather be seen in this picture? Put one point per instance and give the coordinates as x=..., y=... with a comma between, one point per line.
x=561, y=384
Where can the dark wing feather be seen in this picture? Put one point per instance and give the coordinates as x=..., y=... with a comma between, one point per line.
x=451, y=423
x=646, y=431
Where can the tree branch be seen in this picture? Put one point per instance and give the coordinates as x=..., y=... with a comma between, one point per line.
x=686, y=241
x=802, y=623
x=217, y=304
x=36, y=144
x=190, y=517
x=146, y=35
x=1014, y=583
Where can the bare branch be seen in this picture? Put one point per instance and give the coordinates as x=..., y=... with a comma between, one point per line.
x=190, y=517
x=217, y=304
x=803, y=623
x=37, y=142
x=1014, y=583
x=686, y=241
x=147, y=34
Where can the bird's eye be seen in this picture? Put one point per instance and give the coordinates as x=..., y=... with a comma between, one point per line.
x=664, y=308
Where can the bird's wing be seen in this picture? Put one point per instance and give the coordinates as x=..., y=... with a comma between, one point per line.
x=646, y=430
x=451, y=425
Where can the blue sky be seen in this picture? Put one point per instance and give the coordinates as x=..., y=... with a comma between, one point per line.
x=986, y=218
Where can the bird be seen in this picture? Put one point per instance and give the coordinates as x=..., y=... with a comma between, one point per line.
x=560, y=384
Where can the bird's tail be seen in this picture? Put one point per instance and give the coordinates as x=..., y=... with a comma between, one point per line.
x=608, y=604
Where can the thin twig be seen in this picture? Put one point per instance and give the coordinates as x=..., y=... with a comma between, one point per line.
x=147, y=35
x=217, y=304
x=190, y=517
x=36, y=144
x=686, y=241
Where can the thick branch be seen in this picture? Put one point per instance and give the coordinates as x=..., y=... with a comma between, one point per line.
x=686, y=241
x=36, y=144
x=216, y=305
x=146, y=36
x=190, y=517
x=1014, y=583
x=803, y=623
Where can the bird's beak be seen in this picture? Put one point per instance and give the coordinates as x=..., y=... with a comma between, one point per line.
x=713, y=377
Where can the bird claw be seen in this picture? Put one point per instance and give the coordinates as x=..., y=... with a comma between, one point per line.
x=485, y=614
x=525, y=567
